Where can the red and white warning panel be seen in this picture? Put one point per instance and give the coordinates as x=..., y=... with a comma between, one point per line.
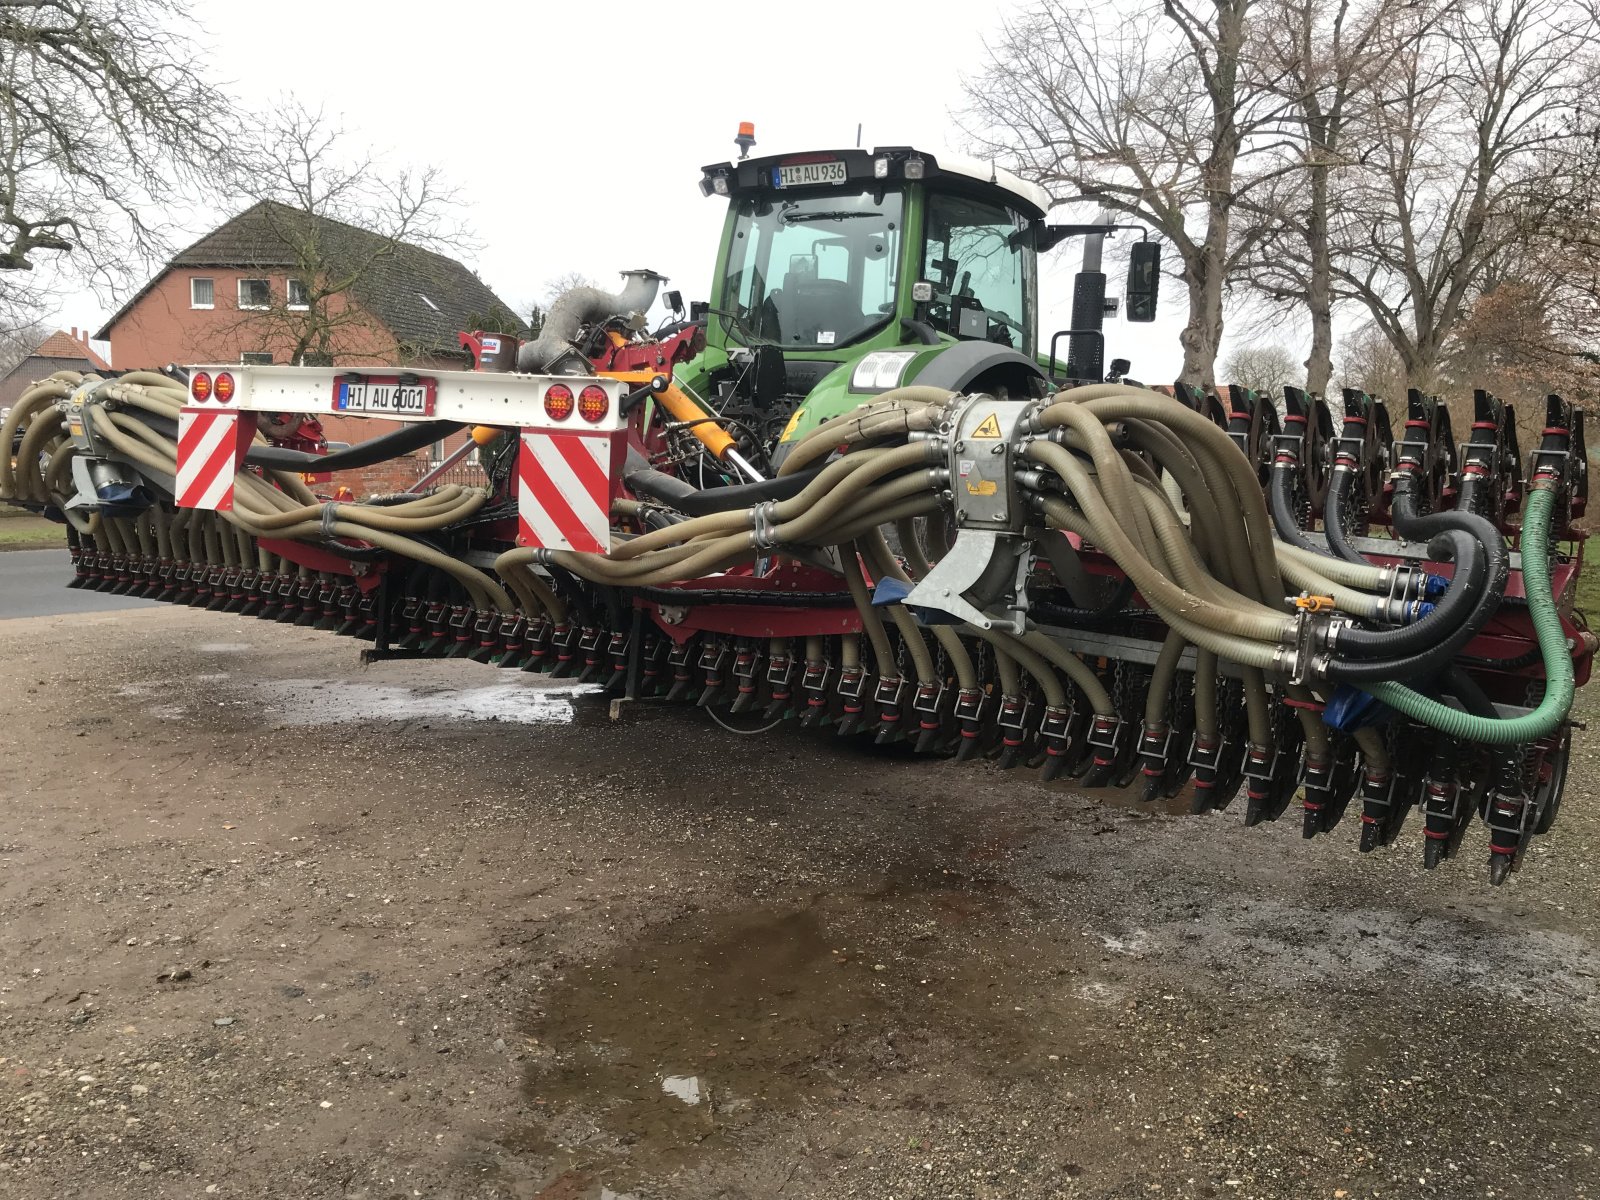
x=565, y=487
x=211, y=448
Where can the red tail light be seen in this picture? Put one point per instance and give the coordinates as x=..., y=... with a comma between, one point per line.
x=223, y=388
x=593, y=404
x=558, y=402
x=200, y=386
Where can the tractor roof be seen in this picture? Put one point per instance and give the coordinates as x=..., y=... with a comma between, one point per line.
x=757, y=174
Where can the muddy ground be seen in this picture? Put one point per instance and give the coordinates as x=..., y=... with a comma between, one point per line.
x=278, y=925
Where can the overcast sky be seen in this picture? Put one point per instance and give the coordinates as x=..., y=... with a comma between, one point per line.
x=575, y=133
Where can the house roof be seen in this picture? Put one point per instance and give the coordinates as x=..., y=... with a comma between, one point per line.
x=63, y=345
x=423, y=298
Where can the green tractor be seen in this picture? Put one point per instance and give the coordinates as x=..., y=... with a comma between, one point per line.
x=843, y=274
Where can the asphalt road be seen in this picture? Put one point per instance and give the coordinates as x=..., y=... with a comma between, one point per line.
x=33, y=583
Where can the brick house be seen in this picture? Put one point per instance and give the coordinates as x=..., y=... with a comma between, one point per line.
x=58, y=352
x=262, y=288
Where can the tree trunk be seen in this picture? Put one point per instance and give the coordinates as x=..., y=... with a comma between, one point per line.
x=1319, y=286
x=1204, y=271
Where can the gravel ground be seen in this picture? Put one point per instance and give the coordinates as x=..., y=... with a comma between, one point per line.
x=281, y=925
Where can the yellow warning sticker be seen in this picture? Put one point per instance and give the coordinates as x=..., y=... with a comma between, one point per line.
x=794, y=421
x=983, y=487
x=989, y=429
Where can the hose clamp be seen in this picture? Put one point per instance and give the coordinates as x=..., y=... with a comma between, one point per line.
x=330, y=514
x=763, y=526
x=1304, y=657
x=1406, y=583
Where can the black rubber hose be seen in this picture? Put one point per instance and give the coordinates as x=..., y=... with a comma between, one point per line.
x=386, y=446
x=1283, y=515
x=698, y=502
x=1060, y=614
x=1333, y=517
x=1515, y=663
x=1493, y=565
x=1459, y=600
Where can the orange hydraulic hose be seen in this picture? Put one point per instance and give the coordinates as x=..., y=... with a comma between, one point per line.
x=702, y=424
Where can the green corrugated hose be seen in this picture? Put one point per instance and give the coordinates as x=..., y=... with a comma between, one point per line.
x=1557, y=701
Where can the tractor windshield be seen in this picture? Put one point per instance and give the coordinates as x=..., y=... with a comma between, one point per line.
x=812, y=270
x=979, y=258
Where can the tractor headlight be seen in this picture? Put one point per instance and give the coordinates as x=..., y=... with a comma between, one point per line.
x=914, y=166
x=880, y=167
x=880, y=370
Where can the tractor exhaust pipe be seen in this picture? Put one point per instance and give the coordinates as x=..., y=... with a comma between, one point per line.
x=580, y=306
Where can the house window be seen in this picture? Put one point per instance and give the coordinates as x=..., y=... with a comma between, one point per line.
x=299, y=294
x=256, y=358
x=255, y=293
x=202, y=293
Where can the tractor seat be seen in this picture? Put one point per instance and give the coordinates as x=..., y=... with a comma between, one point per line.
x=814, y=306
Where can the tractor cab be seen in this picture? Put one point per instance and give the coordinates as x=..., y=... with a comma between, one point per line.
x=829, y=250
x=845, y=273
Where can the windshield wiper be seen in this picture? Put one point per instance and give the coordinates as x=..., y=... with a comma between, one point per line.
x=791, y=218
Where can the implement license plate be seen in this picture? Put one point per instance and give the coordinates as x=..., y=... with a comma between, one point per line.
x=806, y=174
x=386, y=395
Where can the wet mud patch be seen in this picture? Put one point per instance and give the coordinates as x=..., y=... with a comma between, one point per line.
x=717, y=1027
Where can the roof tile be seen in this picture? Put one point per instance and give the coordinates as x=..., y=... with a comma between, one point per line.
x=63, y=345
x=424, y=299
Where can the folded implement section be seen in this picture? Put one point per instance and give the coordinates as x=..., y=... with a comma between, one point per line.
x=1182, y=594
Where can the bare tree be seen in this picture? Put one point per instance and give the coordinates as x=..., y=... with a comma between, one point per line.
x=339, y=220
x=19, y=341
x=565, y=282
x=1514, y=341
x=104, y=113
x=1369, y=363
x=1155, y=112
x=1332, y=54
x=1262, y=368
x=1473, y=130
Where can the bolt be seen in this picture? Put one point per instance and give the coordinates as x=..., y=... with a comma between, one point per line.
x=998, y=448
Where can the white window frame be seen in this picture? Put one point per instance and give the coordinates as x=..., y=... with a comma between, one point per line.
x=244, y=358
x=305, y=296
x=194, y=279
x=255, y=307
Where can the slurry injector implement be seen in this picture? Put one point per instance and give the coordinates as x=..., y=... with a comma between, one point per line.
x=849, y=492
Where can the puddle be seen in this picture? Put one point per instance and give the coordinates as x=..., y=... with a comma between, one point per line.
x=683, y=1087
x=714, y=1021
x=311, y=702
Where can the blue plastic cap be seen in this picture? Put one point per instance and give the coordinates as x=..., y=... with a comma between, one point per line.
x=889, y=591
x=1350, y=709
x=1435, y=585
x=117, y=493
x=931, y=616
x=1422, y=609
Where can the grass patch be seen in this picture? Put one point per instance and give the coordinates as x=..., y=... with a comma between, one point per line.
x=29, y=532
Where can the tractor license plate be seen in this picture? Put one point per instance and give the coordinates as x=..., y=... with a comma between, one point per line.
x=386, y=396
x=807, y=174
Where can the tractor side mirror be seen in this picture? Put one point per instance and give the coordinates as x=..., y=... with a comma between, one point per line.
x=674, y=301
x=1144, y=281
